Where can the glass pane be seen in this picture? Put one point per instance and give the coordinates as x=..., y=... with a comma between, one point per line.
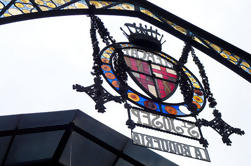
x=81, y=151
x=122, y=162
x=4, y=143
x=32, y=147
x=100, y=131
x=137, y=65
x=165, y=73
x=164, y=88
x=146, y=82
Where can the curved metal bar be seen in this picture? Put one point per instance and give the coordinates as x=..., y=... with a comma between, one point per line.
x=232, y=57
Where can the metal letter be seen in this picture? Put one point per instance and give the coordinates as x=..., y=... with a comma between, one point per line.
x=186, y=151
x=147, y=115
x=149, y=140
x=158, y=124
x=136, y=138
x=136, y=113
x=198, y=154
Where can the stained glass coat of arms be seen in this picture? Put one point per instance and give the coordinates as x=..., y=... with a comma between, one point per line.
x=156, y=80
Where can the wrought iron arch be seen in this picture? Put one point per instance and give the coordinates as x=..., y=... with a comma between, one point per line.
x=225, y=53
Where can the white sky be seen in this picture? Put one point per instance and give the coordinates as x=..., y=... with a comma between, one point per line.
x=41, y=59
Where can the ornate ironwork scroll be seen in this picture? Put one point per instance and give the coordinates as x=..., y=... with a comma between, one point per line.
x=157, y=75
x=220, y=126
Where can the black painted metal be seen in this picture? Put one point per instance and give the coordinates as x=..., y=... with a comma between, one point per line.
x=220, y=126
x=152, y=98
x=63, y=142
x=96, y=91
x=44, y=162
x=185, y=85
x=107, y=146
x=8, y=150
x=100, y=98
x=160, y=12
x=143, y=36
x=35, y=5
x=68, y=128
x=131, y=125
x=32, y=130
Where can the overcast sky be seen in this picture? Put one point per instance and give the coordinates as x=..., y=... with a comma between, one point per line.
x=41, y=59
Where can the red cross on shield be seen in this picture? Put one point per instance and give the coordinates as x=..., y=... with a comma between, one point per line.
x=154, y=79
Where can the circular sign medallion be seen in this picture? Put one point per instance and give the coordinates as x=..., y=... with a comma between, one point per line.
x=154, y=73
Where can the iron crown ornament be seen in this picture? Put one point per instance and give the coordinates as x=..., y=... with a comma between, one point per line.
x=157, y=75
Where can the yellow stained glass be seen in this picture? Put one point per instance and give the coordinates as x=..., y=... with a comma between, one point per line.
x=180, y=29
x=108, y=51
x=226, y=52
x=123, y=45
x=207, y=41
x=127, y=6
x=215, y=47
x=198, y=40
x=99, y=4
x=245, y=64
x=223, y=55
x=124, y=6
x=51, y=5
x=1, y=6
x=26, y=11
x=118, y=7
x=6, y=15
x=39, y=2
x=170, y=23
x=173, y=61
x=19, y=5
x=198, y=99
x=70, y=7
x=193, y=80
x=14, y=11
x=34, y=10
x=196, y=85
x=80, y=5
x=29, y=6
x=133, y=97
x=106, y=55
x=25, y=1
x=232, y=62
x=243, y=67
x=188, y=74
x=167, y=21
x=233, y=58
x=60, y=2
x=237, y=57
x=147, y=12
x=44, y=8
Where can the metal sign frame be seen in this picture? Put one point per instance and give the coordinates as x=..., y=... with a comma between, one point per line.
x=106, y=56
x=225, y=53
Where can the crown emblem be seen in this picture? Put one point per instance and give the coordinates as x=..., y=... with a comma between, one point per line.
x=144, y=36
